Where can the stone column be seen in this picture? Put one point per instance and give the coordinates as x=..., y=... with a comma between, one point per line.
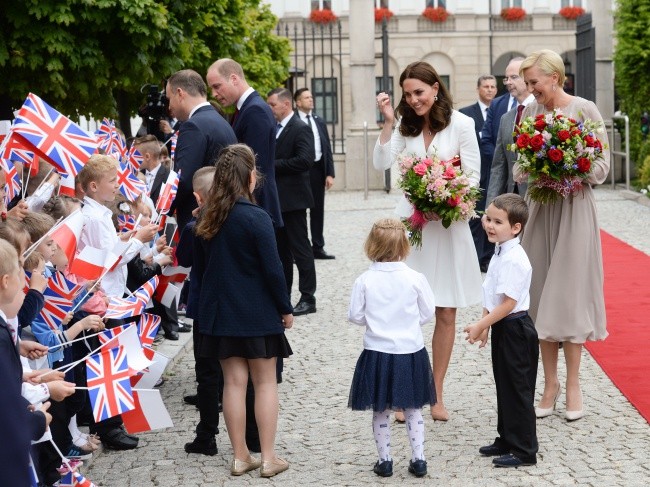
x=361, y=78
x=603, y=22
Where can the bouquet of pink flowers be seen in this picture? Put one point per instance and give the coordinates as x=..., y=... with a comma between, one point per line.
x=557, y=153
x=435, y=186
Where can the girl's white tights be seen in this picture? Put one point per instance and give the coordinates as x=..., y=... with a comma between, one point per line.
x=414, y=428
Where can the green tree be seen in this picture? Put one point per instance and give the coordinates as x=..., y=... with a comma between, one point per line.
x=632, y=65
x=91, y=57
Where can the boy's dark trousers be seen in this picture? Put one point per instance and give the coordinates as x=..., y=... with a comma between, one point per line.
x=209, y=387
x=515, y=354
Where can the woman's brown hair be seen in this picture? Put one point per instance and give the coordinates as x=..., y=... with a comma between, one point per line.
x=231, y=181
x=440, y=113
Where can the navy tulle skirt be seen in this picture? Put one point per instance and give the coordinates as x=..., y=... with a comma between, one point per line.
x=392, y=381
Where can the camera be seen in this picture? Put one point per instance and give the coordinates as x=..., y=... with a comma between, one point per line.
x=155, y=109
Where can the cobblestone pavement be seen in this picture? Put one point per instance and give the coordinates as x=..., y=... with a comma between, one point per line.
x=327, y=444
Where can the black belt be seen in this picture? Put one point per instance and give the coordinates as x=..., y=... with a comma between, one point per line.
x=514, y=316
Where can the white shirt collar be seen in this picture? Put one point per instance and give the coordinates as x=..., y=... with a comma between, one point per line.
x=91, y=204
x=303, y=115
x=244, y=96
x=285, y=120
x=502, y=248
x=155, y=170
x=200, y=105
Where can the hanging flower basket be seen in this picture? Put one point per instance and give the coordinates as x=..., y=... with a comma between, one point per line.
x=381, y=13
x=571, y=13
x=435, y=14
x=324, y=16
x=513, y=14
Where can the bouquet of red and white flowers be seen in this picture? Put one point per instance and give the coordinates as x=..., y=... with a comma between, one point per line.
x=557, y=153
x=435, y=186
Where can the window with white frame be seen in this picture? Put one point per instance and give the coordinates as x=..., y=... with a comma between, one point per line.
x=321, y=4
x=510, y=3
x=571, y=3
x=436, y=3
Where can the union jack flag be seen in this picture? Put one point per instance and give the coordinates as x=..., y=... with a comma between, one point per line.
x=105, y=130
x=110, y=140
x=119, y=308
x=148, y=328
x=168, y=193
x=16, y=150
x=81, y=481
x=63, y=287
x=146, y=290
x=108, y=381
x=172, y=145
x=126, y=223
x=130, y=186
x=54, y=136
x=13, y=180
x=67, y=480
x=55, y=309
x=108, y=335
x=133, y=159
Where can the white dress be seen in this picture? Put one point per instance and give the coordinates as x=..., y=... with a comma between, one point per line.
x=448, y=257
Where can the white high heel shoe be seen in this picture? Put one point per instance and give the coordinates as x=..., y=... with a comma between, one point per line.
x=575, y=415
x=544, y=412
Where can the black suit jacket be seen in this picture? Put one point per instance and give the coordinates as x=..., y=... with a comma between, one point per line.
x=161, y=177
x=255, y=126
x=200, y=138
x=294, y=157
x=474, y=112
x=498, y=107
x=327, y=159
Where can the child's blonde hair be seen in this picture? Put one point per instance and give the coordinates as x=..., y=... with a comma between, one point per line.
x=33, y=260
x=37, y=224
x=387, y=241
x=97, y=167
x=8, y=258
x=148, y=144
x=202, y=180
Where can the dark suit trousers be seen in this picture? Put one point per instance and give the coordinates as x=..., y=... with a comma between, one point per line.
x=515, y=353
x=168, y=315
x=209, y=387
x=294, y=245
x=484, y=249
x=317, y=213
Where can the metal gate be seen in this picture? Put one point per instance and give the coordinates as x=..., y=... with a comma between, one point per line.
x=585, y=58
x=316, y=64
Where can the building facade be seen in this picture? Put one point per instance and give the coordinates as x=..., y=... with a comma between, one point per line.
x=462, y=39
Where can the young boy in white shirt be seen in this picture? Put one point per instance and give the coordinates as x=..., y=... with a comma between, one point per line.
x=515, y=346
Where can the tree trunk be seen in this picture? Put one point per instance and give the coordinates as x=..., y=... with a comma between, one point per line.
x=123, y=113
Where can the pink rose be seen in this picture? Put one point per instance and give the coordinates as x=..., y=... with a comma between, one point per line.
x=427, y=161
x=449, y=173
x=420, y=169
x=453, y=201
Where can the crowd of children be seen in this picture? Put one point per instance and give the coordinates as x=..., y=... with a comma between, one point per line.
x=38, y=358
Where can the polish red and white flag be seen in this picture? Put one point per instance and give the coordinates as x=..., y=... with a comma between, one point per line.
x=149, y=414
x=91, y=262
x=68, y=232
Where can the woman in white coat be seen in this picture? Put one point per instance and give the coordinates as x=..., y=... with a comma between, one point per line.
x=429, y=125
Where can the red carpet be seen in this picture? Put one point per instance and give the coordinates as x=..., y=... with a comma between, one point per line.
x=624, y=355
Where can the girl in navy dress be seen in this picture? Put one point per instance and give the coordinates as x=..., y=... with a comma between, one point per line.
x=393, y=372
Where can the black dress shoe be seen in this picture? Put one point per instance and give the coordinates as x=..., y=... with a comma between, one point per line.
x=203, y=447
x=493, y=450
x=383, y=469
x=418, y=468
x=304, y=308
x=171, y=335
x=321, y=254
x=117, y=439
x=510, y=461
x=184, y=328
x=192, y=399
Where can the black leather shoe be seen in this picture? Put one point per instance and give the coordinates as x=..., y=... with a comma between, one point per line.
x=493, y=450
x=304, y=308
x=184, y=327
x=127, y=434
x=509, y=461
x=171, y=335
x=321, y=254
x=202, y=447
x=383, y=469
x=418, y=468
x=192, y=399
x=117, y=439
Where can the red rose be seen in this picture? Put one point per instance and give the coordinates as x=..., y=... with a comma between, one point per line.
x=575, y=132
x=540, y=124
x=563, y=135
x=598, y=145
x=523, y=140
x=453, y=201
x=537, y=142
x=539, y=116
x=584, y=164
x=589, y=141
x=555, y=155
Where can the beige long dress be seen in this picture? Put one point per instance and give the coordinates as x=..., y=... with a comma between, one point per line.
x=562, y=241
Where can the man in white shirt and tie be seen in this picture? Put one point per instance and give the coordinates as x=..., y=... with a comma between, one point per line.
x=322, y=172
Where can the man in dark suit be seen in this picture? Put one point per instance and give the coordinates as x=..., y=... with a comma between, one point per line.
x=487, y=90
x=322, y=172
x=294, y=158
x=253, y=124
x=201, y=136
x=501, y=180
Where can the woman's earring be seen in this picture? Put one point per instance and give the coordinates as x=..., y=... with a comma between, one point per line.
x=435, y=98
x=554, y=87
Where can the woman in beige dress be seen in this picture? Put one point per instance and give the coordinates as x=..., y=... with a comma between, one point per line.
x=562, y=241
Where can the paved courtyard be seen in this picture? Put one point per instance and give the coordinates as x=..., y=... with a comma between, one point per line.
x=327, y=444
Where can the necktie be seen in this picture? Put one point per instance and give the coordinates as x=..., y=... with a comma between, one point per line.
x=278, y=128
x=497, y=249
x=309, y=121
x=520, y=109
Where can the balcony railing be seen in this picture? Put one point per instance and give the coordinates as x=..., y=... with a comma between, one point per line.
x=502, y=25
x=561, y=23
x=425, y=25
